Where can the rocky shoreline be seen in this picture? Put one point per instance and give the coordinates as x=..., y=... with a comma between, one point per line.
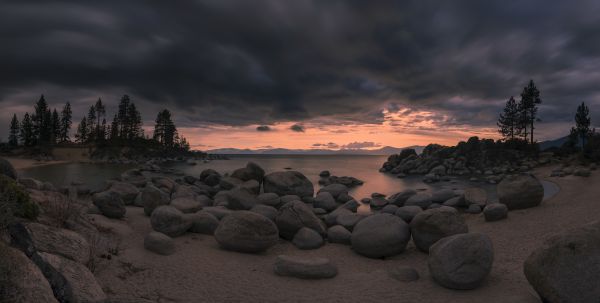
x=251, y=211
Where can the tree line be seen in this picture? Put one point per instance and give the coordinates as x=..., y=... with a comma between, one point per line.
x=517, y=120
x=45, y=127
x=517, y=123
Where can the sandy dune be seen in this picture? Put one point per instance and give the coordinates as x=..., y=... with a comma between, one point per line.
x=202, y=272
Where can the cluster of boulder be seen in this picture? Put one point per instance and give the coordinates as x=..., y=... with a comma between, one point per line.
x=326, y=179
x=250, y=211
x=472, y=158
x=580, y=171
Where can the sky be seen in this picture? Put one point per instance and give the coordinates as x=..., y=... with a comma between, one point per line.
x=305, y=73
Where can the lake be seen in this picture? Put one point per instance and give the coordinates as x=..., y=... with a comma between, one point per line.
x=365, y=168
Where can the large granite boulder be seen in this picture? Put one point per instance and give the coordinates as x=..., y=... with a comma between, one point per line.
x=21, y=281
x=58, y=241
x=305, y=268
x=431, y=225
x=110, y=204
x=265, y=210
x=187, y=205
x=565, y=267
x=247, y=232
x=520, y=191
x=70, y=280
x=270, y=199
x=288, y=183
x=461, y=261
x=295, y=215
x=407, y=213
x=7, y=169
x=495, y=212
x=169, y=221
x=380, y=235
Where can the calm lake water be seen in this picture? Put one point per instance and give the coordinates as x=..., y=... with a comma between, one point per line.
x=365, y=168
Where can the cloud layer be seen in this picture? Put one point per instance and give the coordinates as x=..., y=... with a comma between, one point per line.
x=319, y=63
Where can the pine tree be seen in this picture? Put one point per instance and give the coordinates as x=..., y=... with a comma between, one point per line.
x=82, y=131
x=135, y=122
x=55, y=127
x=13, y=136
x=530, y=98
x=27, y=134
x=114, y=129
x=65, y=123
x=91, y=124
x=41, y=123
x=164, y=129
x=100, y=115
x=582, y=130
x=123, y=117
x=508, y=122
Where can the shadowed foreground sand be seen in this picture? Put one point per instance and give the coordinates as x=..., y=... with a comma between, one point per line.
x=200, y=271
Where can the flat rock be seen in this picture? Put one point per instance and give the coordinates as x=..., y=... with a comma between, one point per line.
x=304, y=268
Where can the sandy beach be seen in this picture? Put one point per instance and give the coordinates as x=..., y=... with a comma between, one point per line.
x=24, y=163
x=200, y=271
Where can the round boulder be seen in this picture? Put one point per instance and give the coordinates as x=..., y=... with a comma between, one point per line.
x=495, y=212
x=461, y=261
x=169, y=221
x=380, y=235
x=325, y=201
x=431, y=225
x=203, y=223
x=407, y=213
x=246, y=232
x=520, y=191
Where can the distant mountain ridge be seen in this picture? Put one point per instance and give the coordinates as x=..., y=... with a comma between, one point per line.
x=384, y=151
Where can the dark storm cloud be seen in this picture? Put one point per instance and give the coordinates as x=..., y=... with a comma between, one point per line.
x=258, y=62
x=263, y=128
x=297, y=128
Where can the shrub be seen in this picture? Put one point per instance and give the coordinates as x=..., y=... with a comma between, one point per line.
x=15, y=201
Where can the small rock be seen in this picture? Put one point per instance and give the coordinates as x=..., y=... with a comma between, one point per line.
x=495, y=212
x=159, y=243
x=339, y=234
x=422, y=200
x=403, y=274
x=307, y=238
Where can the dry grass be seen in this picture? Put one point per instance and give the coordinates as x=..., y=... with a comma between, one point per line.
x=102, y=247
x=61, y=209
